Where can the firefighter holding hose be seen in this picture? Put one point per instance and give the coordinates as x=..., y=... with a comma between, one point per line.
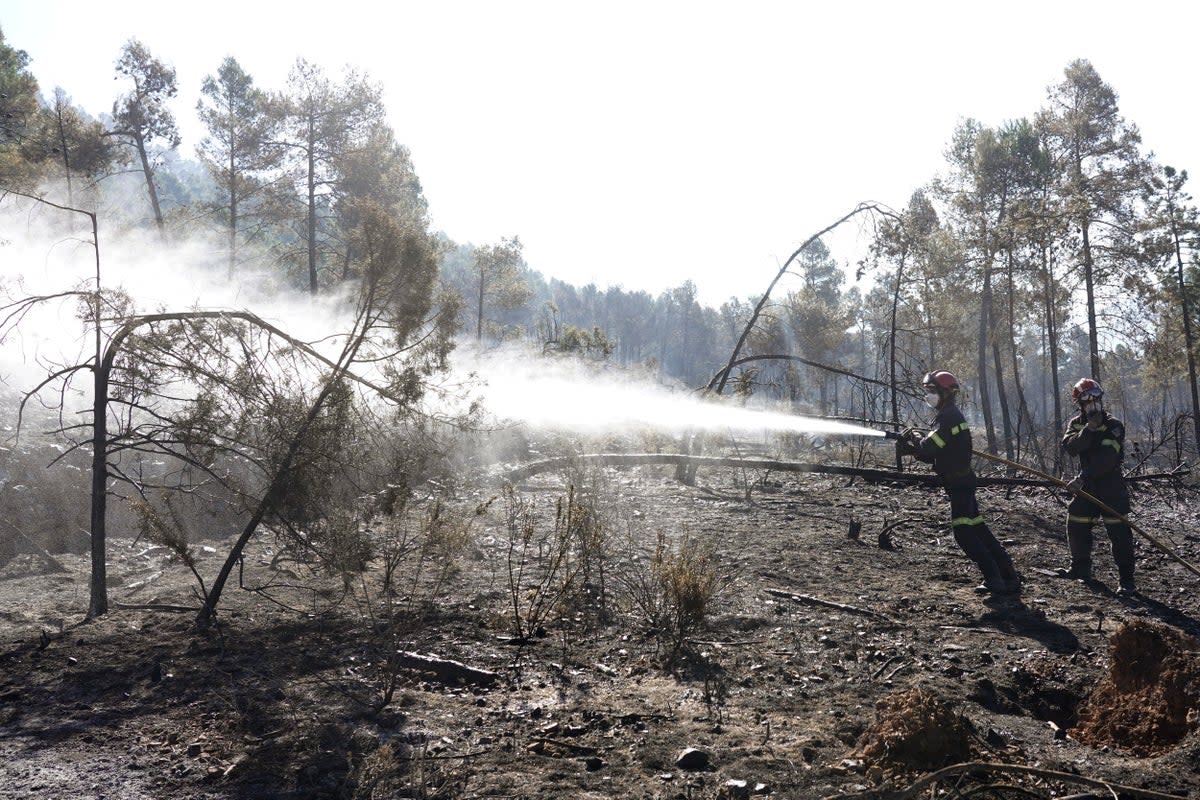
x=947, y=447
x=1097, y=439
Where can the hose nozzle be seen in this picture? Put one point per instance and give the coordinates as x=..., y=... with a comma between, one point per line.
x=891, y=435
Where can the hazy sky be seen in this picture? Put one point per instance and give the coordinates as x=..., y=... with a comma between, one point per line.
x=645, y=143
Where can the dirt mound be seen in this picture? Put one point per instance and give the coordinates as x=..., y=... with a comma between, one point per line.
x=915, y=729
x=1150, y=698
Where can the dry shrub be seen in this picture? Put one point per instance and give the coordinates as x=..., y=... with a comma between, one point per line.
x=385, y=774
x=541, y=562
x=690, y=578
x=378, y=776
x=674, y=591
x=1150, y=698
x=914, y=728
x=420, y=548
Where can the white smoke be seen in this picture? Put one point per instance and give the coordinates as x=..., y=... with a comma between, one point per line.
x=44, y=252
x=49, y=253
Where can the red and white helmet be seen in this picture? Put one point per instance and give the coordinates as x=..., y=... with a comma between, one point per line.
x=1084, y=389
x=940, y=381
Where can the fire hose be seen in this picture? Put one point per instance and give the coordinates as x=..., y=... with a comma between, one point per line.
x=1085, y=495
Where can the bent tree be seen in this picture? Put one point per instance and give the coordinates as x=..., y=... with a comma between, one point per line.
x=716, y=384
x=227, y=407
x=391, y=326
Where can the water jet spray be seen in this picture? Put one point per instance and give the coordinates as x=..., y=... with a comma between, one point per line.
x=560, y=397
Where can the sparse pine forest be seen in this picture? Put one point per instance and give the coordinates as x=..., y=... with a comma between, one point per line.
x=256, y=537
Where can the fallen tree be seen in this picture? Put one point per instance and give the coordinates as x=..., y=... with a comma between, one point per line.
x=680, y=459
x=866, y=473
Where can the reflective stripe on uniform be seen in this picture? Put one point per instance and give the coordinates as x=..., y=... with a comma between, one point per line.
x=957, y=429
x=1113, y=443
x=966, y=521
x=1087, y=520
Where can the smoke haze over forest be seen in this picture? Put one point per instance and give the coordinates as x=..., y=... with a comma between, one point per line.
x=643, y=146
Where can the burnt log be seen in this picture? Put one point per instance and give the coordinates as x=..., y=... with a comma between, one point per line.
x=447, y=670
x=636, y=459
x=518, y=474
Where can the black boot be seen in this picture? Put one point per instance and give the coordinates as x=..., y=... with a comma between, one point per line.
x=1077, y=571
x=977, y=551
x=1004, y=566
x=1122, y=551
x=998, y=587
x=1079, y=543
x=1009, y=574
x=993, y=580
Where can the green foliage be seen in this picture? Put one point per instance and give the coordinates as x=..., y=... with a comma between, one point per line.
x=141, y=116
x=817, y=317
x=142, y=113
x=18, y=118
x=78, y=144
x=380, y=169
x=497, y=280
x=238, y=150
x=592, y=345
x=320, y=123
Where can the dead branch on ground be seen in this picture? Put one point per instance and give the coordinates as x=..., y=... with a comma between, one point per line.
x=876, y=475
x=816, y=601
x=447, y=670
x=636, y=459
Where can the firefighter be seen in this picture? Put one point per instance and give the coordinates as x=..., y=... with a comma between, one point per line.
x=948, y=447
x=1097, y=438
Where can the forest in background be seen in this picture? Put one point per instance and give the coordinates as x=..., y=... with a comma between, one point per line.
x=377, y=610
x=1051, y=247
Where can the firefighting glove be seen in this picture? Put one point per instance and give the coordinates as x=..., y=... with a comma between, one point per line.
x=909, y=442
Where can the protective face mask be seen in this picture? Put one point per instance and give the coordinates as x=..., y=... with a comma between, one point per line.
x=931, y=400
x=1095, y=406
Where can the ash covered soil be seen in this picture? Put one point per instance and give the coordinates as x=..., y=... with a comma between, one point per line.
x=828, y=665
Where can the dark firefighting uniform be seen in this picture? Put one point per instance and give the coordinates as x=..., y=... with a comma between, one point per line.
x=1100, y=454
x=948, y=447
